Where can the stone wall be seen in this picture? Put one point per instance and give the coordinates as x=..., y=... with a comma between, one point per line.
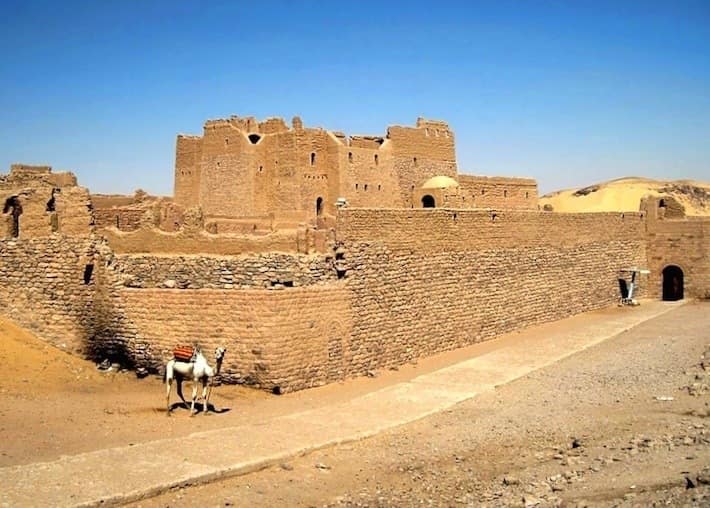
x=152, y=240
x=425, y=281
x=267, y=270
x=498, y=192
x=125, y=218
x=674, y=239
x=276, y=340
x=37, y=203
x=49, y=285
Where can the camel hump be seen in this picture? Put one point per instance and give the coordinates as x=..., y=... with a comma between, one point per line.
x=184, y=353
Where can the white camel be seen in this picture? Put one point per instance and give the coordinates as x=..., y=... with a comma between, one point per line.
x=196, y=370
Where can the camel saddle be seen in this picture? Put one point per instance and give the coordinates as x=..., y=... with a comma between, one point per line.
x=184, y=353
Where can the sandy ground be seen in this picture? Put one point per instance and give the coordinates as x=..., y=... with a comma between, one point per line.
x=622, y=424
x=624, y=195
x=589, y=430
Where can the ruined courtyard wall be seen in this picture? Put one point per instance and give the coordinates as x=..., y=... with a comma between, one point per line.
x=152, y=240
x=498, y=192
x=277, y=340
x=425, y=281
x=124, y=218
x=44, y=288
x=71, y=215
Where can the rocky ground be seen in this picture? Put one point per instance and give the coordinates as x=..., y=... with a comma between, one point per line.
x=622, y=424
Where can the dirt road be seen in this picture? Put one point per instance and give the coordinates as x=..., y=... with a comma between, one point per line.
x=622, y=424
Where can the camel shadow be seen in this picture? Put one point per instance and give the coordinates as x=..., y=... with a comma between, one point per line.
x=199, y=407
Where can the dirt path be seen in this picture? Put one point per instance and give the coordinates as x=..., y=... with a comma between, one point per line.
x=596, y=429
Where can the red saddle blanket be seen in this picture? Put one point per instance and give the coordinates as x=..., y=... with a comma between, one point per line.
x=183, y=353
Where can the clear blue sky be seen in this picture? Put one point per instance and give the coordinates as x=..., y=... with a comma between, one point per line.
x=567, y=92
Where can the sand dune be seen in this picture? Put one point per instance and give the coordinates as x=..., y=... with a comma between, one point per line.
x=624, y=195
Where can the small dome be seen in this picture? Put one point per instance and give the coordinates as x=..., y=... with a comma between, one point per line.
x=440, y=182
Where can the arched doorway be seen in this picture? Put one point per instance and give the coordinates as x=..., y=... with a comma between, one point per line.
x=672, y=283
x=428, y=201
x=319, y=207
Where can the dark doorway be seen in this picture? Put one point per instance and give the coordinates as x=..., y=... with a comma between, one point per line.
x=319, y=207
x=672, y=283
x=428, y=201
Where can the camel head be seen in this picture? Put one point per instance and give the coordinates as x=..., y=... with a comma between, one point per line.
x=219, y=354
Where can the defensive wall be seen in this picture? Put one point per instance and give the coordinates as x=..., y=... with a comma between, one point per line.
x=376, y=288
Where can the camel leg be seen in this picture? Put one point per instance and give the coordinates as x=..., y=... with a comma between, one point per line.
x=205, y=395
x=178, y=386
x=169, y=385
x=194, y=397
x=209, y=392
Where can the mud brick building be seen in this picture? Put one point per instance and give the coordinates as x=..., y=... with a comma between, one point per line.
x=314, y=256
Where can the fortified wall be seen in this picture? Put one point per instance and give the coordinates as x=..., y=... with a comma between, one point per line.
x=429, y=267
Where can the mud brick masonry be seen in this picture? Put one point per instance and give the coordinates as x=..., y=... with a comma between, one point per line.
x=314, y=256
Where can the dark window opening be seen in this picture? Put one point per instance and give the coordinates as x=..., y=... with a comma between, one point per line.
x=288, y=283
x=14, y=207
x=88, y=271
x=356, y=186
x=261, y=168
x=505, y=193
x=527, y=194
x=428, y=201
x=377, y=160
x=313, y=158
x=415, y=161
x=52, y=203
x=365, y=186
x=276, y=390
x=662, y=203
x=483, y=191
x=118, y=222
x=319, y=206
x=254, y=138
x=226, y=141
x=672, y=283
x=379, y=187
x=350, y=157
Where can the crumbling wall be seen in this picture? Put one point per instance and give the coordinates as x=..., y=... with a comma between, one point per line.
x=48, y=285
x=37, y=203
x=498, y=192
x=425, y=281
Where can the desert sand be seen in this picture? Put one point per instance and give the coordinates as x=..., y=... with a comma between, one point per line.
x=624, y=195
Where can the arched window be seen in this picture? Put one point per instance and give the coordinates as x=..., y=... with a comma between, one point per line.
x=319, y=207
x=428, y=201
x=313, y=158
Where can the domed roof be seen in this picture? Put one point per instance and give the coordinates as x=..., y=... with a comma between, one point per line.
x=440, y=182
